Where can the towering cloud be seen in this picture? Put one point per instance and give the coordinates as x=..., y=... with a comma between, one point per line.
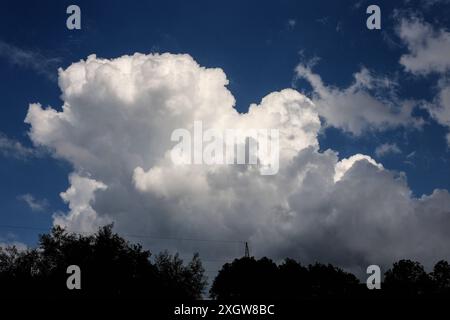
x=115, y=127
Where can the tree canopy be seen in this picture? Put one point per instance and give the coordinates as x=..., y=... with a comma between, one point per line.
x=111, y=267
x=248, y=278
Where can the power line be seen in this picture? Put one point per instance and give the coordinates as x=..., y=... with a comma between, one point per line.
x=207, y=259
x=4, y=226
x=184, y=239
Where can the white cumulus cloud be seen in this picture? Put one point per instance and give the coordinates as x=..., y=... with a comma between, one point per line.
x=115, y=127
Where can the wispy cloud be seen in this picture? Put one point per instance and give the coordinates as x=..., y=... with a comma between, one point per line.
x=387, y=148
x=30, y=59
x=33, y=203
x=291, y=24
x=323, y=20
x=14, y=149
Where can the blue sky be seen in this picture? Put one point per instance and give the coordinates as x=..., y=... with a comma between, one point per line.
x=257, y=43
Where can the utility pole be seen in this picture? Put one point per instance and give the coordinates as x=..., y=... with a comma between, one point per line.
x=247, y=251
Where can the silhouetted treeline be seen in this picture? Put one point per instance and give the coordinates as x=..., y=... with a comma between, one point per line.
x=248, y=278
x=110, y=267
x=408, y=279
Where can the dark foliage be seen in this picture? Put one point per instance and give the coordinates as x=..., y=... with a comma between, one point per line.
x=110, y=267
x=407, y=278
x=247, y=278
x=440, y=278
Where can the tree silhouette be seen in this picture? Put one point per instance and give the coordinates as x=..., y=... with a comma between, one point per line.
x=179, y=280
x=441, y=278
x=407, y=278
x=294, y=280
x=329, y=281
x=247, y=278
x=111, y=267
